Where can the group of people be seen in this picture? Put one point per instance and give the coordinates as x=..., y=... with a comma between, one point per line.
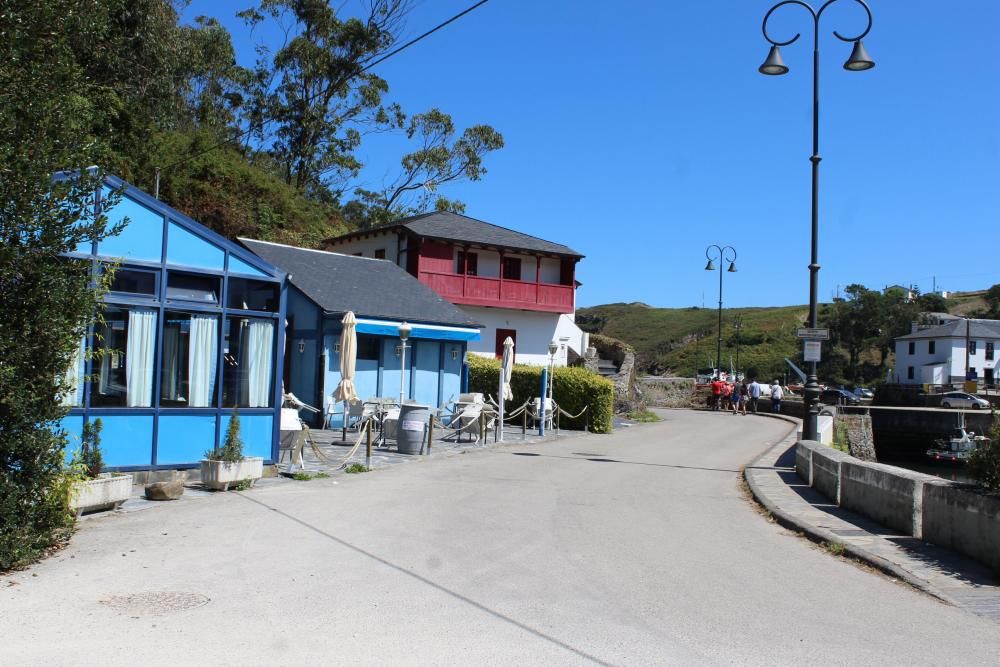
x=737, y=396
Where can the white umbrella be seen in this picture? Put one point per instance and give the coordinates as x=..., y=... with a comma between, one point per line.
x=506, y=370
x=345, y=391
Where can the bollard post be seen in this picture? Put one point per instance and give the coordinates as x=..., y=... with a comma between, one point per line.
x=482, y=428
x=524, y=422
x=541, y=402
x=430, y=434
x=368, y=449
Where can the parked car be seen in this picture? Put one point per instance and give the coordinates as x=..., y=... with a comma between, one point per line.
x=838, y=397
x=959, y=399
x=864, y=392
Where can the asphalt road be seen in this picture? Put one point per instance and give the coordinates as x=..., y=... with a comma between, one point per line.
x=636, y=548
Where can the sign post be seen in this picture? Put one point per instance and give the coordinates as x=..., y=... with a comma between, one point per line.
x=809, y=333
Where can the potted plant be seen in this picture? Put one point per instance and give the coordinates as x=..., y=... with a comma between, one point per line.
x=226, y=465
x=95, y=490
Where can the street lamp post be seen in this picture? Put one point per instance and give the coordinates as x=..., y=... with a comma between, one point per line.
x=775, y=66
x=738, y=324
x=404, y=333
x=722, y=257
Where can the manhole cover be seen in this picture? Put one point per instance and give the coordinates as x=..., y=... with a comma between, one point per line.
x=155, y=603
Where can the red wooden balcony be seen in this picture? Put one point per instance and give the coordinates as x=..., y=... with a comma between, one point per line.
x=480, y=291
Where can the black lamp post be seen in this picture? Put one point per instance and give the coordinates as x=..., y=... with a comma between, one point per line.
x=732, y=269
x=774, y=65
x=738, y=324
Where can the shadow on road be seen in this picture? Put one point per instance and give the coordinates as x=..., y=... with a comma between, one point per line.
x=600, y=459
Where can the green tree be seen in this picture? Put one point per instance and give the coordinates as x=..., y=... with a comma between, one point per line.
x=48, y=111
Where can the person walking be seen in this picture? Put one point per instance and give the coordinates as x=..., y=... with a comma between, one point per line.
x=734, y=398
x=744, y=397
x=754, y=391
x=716, y=393
x=776, y=395
x=727, y=391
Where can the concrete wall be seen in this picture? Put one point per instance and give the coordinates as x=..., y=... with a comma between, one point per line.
x=367, y=246
x=966, y=522
x=926, y=507
x=535, y=330
x=884, y=493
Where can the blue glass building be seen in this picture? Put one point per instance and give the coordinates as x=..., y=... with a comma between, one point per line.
x=191, y=332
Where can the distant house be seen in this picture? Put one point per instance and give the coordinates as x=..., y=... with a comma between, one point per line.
x=325, y=285
x=515, y=284
x=941, y=354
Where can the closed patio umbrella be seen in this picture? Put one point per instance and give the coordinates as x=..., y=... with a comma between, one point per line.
x=345, y=391
x=506, y=370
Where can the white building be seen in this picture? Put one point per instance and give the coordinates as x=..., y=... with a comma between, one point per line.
x=512, y=283
x=949, y=353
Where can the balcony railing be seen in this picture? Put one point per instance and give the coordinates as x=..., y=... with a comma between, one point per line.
x=481, y=291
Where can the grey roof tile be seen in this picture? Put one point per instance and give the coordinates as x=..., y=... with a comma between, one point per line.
x=957, y=329
x=370, y=287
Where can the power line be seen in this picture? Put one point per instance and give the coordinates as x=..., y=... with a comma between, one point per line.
x=360, y=70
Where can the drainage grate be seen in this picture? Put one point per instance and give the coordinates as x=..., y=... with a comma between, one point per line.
x=155, y=603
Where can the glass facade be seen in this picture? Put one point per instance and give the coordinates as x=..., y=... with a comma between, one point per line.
x=179, y=344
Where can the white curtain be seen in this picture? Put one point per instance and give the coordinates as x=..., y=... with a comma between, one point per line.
x=74, y=377
x=171, y=350
x=202, y=355
x=260, y=339
x=139, y=357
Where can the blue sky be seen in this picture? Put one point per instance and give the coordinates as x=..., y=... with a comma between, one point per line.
x=639, y=133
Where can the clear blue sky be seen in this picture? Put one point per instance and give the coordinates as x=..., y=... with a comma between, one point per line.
x=638, y=133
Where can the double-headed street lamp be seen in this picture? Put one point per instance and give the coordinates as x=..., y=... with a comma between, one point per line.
x=722, y=257
x=774, y=65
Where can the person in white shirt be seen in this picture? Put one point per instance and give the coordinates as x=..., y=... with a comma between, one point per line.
x=754, y=390
x=776, y=395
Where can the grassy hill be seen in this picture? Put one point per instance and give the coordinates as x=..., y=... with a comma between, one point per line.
x=682, y=341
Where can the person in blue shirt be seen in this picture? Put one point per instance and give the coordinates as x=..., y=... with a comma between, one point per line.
x=754, y=391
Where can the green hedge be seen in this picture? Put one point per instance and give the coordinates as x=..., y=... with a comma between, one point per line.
x=574, y=388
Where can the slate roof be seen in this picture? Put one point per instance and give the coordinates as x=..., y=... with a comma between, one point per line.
x=372, y=288
x=956, y=329
x=448, y=226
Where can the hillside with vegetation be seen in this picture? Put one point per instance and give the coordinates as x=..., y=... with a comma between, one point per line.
x=863, y=325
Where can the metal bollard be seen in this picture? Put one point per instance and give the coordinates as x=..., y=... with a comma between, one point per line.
x=368, y=449
x=430, y=434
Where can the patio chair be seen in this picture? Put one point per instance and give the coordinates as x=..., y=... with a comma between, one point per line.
x=292, y=438
x=468, y=420
x=535, y=411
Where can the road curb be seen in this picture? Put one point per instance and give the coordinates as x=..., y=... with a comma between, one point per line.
x=820, y=535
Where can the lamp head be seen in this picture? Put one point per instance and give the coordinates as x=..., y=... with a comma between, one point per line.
x=710, y=266
x=553, y=348
x=404, y=331
x=732, y=267
x=859, y=60
x=774, y=65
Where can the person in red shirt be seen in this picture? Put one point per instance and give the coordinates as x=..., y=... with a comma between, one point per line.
x=716, y=385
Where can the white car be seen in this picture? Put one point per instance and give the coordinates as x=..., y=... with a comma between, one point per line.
x=959, y=399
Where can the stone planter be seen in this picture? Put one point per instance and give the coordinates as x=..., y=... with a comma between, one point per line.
x=108, y=491
x=219, y=475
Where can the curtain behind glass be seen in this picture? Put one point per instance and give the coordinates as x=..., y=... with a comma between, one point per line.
x=74, y=377
x=260, y=340
x=139, y=357
x=202, y=355
x=171, y=350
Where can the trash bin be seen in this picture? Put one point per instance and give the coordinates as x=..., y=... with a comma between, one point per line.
x=412, y=427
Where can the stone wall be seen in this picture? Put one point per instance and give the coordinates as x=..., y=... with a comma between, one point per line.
x=928, y=508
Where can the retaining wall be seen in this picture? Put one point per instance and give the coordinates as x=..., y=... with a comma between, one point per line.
x=928, y=508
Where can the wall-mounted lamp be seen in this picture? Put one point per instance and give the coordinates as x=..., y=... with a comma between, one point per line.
x=454, y=354
x=336, y=348
x=399, y=351
x=302, y=346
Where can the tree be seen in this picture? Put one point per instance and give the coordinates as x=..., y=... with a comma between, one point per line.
x=993, y=302
x=48, y=111
x=440, y=159
x=311, y=103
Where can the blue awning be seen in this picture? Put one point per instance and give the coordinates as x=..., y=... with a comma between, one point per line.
x=428, y=331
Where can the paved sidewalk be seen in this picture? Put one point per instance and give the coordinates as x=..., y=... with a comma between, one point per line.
x=945, y=574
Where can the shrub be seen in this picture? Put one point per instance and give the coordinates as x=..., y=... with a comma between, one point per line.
x=90, y=449
x=573, y=389
x=232, y=449
x=984, y=462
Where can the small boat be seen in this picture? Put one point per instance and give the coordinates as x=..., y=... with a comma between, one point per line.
x=957, y=448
